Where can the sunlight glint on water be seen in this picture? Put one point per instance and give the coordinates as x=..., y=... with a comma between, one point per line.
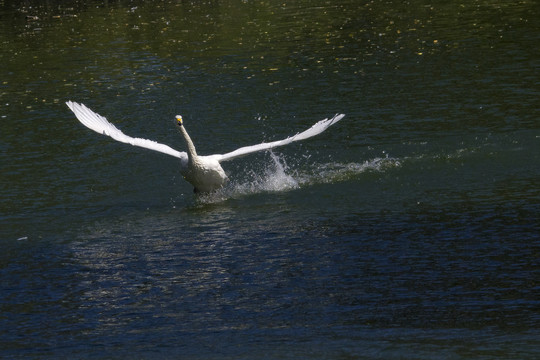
x=407, y=230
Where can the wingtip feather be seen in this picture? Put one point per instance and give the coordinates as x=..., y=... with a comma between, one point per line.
x=102, y=126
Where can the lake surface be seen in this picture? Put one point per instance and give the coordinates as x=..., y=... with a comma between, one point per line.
x=408, y=230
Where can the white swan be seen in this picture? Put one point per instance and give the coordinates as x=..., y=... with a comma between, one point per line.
x=203, y=172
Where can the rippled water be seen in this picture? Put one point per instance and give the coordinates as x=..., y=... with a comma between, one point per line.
x=410, y=229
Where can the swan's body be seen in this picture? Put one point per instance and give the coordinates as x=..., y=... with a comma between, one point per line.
x=203, y=172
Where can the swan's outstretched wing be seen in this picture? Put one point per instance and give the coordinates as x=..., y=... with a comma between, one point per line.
x=312, y=131
x=100, y=125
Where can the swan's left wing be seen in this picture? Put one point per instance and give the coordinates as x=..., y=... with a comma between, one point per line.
x=316, y=129
x=100, y=125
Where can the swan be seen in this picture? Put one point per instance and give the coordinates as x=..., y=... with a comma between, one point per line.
x=203, y=172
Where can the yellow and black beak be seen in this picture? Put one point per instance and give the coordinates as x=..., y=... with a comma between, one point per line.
x=179, y=120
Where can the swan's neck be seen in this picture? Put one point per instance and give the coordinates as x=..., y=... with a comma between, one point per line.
x=192, y=153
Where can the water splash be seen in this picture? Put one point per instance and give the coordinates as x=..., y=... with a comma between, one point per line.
x=274, y=178
x=336, y=172
x=279, y=177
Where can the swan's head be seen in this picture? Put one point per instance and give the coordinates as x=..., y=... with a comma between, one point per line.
x=179, y=120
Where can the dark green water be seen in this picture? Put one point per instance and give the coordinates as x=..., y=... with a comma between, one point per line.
x=408, y=230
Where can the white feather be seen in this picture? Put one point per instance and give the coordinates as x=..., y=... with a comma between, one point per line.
x=100, y=125
x=316, y=129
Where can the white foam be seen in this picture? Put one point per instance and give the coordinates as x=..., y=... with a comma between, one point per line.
x=274, y=178
x=335, y=172
x=278, y=177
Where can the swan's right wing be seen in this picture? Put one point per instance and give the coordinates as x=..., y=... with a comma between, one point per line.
x=316, y=129
x=100, y=125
